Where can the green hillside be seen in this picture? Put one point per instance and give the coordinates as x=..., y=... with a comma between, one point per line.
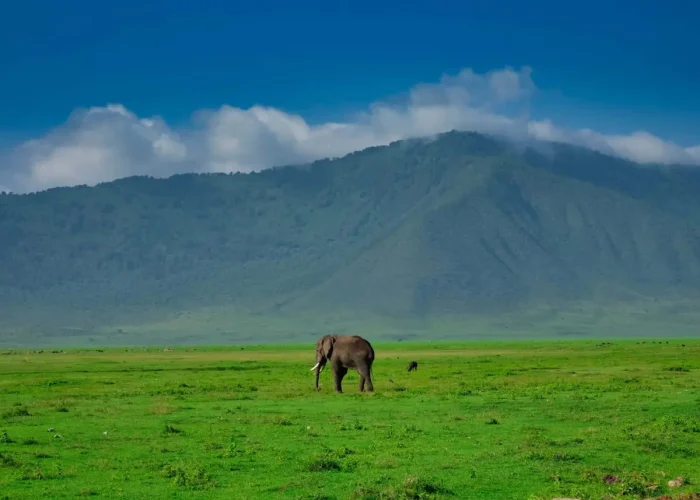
x=461, y=235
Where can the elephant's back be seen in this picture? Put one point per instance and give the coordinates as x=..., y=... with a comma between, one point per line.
x=361, y=342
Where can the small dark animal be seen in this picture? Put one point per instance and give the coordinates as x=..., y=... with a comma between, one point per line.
x=413, y=365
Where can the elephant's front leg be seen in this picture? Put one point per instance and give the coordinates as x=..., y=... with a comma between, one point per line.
x=362, y=383
x=339, y=372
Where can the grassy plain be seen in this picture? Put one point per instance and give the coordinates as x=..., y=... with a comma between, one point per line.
x=499, y=420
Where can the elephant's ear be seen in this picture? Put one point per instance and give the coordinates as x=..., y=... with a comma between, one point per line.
x=327, y=345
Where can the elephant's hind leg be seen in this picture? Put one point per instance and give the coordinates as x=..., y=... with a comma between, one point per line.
x=365, y=378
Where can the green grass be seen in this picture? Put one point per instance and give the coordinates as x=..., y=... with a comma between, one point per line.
x=517, y=420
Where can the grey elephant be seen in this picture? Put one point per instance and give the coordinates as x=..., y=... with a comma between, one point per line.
x=344, y=352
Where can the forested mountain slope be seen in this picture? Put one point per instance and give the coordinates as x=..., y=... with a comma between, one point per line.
x=417, y=232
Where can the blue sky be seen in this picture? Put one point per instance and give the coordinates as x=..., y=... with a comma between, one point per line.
x=610, y=66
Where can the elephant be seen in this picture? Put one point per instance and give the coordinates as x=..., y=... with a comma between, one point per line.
x=413, y=365
x=344, y=352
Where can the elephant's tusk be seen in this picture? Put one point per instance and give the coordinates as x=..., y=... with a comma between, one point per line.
x=316, y=365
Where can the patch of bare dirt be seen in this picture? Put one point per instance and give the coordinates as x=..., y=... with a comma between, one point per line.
x=676, y=483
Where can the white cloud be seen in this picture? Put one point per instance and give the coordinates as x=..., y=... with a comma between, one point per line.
x=639, y=146
x=644, y=147
x=694, y=152
x=95, y=145
x=105, y=143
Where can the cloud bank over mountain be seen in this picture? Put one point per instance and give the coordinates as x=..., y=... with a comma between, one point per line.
x=101, y=144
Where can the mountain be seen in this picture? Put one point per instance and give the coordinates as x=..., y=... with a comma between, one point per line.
x=463, y=234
